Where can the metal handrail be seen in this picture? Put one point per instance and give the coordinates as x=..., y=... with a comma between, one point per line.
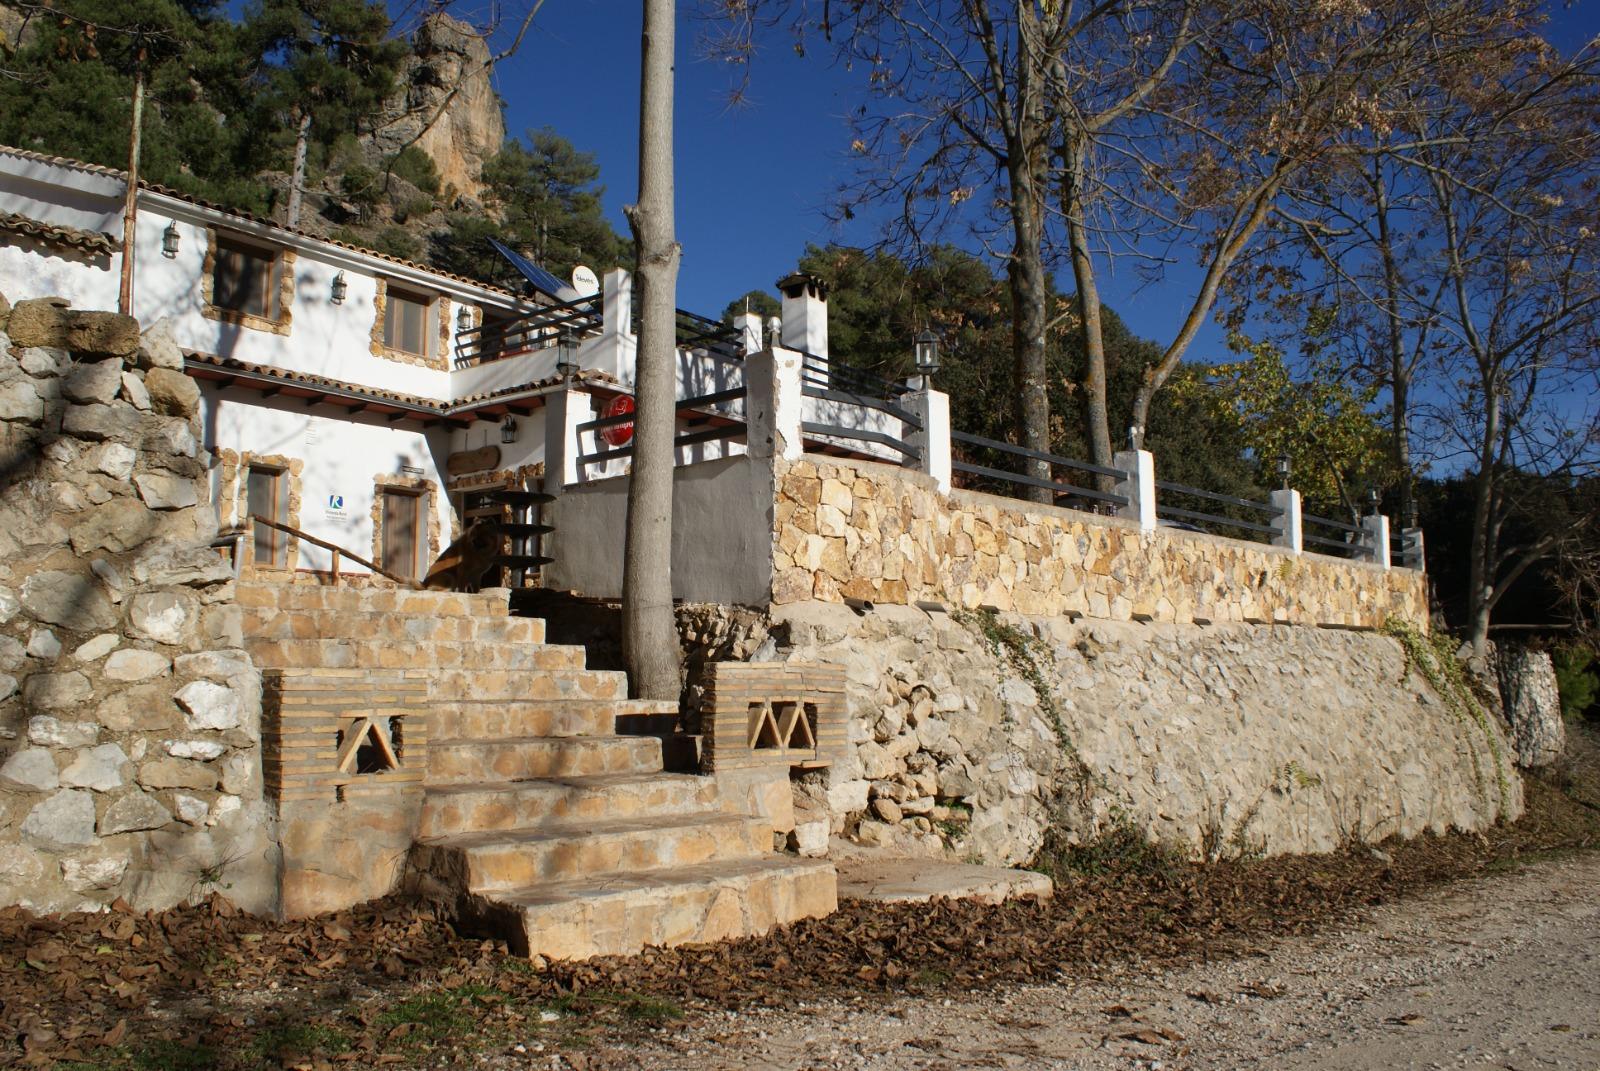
x=848, y=398
x=1034, y=481
x=1213, y=496
x=544, y=323
x=1329, y=522
x=336, y=549
x=1023, y=451
x=834, y=431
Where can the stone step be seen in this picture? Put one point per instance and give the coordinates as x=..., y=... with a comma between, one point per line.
x=496, y=860
x=386, y=654
x=454, y=762
x=498, y=805
x=512, y=685
x=497, y=719
x=377, y=600
x=623, y=914
x=272, y=623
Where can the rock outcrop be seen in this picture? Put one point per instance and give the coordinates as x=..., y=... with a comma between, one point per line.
x=1532, y=704
x=471, y=128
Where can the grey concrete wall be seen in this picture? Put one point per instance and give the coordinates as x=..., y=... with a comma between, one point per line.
x=721, y=534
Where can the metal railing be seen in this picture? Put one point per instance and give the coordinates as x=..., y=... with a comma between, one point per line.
x=1339, y=539
x=698, y=410
x=1256, y=529
x=539, y=329
x=1063, y=492
x=822, y=381
x=1405, y=549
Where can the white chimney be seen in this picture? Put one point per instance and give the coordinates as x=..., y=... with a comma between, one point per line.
x=805, y=314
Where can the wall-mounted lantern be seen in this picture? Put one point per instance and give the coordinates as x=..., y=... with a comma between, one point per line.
x=169, y=240
x=340, y=288
x=508, y=430
x=567, y=354
x=463, y=319
x=1373, y=501
x=1283, y=470
x=926, y=352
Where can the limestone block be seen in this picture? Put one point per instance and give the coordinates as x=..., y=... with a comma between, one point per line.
x=56, y=691
x=166, y=492
x=71, y=600
x=133, y=664
x=20, y=401
x=102, y=869
x=46, y=731
x=239, y=773
x=157, y=349
x=164, y=616
x=166, y=435
x=101, y=768
x=119, y=524
x=168, y=564
x=876, y=761
x=42, y=644
x=98, y=647
x=214, y=665
x=172, y=393
x=886, y=809
x=113, y=459
x=848, y=797
x=44, y=362
x=8, y=605
x=133, y=390
x=810, y=838
x=140, y=708
x=177, y=773
x=65, y=820
x=30, y=770
x=209, y=705
x=204, y=750
x=133, y=812
x=93, y=382
x=20, y=872
x=191, y=809
x=118, y=420
x=1532, y=705
x=8, y=686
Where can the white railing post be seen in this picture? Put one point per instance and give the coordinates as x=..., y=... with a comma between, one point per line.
x=564, y=411
x=772, y=404
x=1411, y=540
x=1138, y=486
x=931, y=408
x=1375, y=530
x=1287, y=528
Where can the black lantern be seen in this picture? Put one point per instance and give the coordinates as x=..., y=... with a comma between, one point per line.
x=567, y=354
x=926, y=351
x=169, y=240
x=508, y=430
x=463, y=319
x=340, y=288
x=1373, y=501
x=1283, y=470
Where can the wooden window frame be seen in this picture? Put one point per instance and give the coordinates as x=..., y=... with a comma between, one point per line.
x=277, y=541
x=419, y=530
x=279, y=287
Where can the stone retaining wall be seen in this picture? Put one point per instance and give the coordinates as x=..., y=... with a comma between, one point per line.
x=848, y=529
x=968, y=736
x=129, y=712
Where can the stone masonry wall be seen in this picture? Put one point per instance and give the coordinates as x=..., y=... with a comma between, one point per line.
x=969, y=735
x=846, y=529
x=129, y=713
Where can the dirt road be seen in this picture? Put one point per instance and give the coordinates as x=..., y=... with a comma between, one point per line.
x=1501, y=972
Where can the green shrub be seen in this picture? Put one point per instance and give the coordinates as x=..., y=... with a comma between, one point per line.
x=417, y=168
x=1578, y=681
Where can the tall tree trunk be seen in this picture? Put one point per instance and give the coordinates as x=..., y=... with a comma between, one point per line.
x=1399, y=371
x=1029, y=290
x=1097, y=420
x=1483, y=549
x=130, y=205
x=649, y=632
x=297, y=181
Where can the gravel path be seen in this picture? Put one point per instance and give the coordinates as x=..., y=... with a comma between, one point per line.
x=1499, y=972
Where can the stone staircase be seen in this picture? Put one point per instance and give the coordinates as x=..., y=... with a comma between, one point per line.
x=543, y=820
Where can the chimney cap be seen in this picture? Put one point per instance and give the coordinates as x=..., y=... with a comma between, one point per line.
x=796, y=283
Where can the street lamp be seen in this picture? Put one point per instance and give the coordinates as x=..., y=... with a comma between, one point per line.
x=169, y=240
x=925, y=350
x=463, y=319
x=508, y=430
x=1283, y=470
x=1373, y=501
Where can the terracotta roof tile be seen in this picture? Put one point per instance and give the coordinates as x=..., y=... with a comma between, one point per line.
x=56, y=234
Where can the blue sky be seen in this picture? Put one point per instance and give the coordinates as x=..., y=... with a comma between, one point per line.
x=752, y=181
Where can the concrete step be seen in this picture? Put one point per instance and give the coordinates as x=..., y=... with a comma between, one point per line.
x=483, y=806
x=455, y=762
x=497, y=860
x=272, y=623
x=514, y=685
x=496, y=719
x=379, y=600
x=387, y=654
x=623, y=914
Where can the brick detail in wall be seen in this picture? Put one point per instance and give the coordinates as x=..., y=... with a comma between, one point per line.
x=314, y=719
x=758, y=714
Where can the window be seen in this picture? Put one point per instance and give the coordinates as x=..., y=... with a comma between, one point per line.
x=403, y=532
x=243, y=279
x=267, y=495
x=405, y=321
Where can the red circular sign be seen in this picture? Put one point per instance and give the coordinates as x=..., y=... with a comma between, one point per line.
x=617, y=434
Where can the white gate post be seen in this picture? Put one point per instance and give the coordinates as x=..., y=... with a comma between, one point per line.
x=1138, y=486
x=931, y=408
x=1287, y=527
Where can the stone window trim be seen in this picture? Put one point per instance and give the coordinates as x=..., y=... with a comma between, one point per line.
x=441, y=311
x=283, y=265
x=429, y=491
x=231, y=505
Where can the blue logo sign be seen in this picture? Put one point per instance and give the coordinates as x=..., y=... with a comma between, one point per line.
x=336, y=502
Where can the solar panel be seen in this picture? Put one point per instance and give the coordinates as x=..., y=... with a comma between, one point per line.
x=541, y=279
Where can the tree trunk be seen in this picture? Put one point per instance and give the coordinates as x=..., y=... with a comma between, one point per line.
x=1399, y=373
x=1024, y=173
x=1483, y=549
x=1097, y=420
x=649, y=632
x=297, y=181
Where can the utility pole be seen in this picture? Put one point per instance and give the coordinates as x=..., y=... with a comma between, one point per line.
x=130, y=207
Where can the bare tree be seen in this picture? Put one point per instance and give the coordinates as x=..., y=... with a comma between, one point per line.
x=649, y=631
